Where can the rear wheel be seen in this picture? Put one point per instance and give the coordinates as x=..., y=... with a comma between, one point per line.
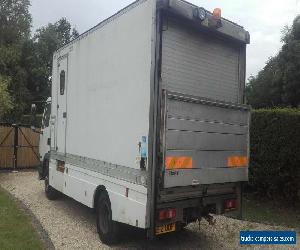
x=107, y=228
x=51, y=193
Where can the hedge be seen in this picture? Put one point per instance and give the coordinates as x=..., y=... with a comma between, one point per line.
x=275, y=153
x=27, y=119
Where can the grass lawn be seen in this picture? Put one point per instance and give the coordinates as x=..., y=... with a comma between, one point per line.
x=270, y=212
x=16, y=229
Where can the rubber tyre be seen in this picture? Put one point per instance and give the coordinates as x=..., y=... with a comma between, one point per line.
x=51, y=193
x=106, y=227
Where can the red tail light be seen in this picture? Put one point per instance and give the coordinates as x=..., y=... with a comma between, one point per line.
x=167, y=214
x=230, y=204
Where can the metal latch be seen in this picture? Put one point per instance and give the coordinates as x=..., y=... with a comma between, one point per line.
x=195, y=182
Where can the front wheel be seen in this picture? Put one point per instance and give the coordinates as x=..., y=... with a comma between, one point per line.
x=106, y=227
x=51, y=193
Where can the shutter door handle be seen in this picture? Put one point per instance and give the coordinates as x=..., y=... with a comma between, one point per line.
x=64, y=114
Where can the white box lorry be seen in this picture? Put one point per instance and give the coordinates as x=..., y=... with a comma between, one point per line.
x=148, y=124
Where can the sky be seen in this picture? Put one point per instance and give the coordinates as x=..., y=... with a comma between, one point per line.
x=264, y=19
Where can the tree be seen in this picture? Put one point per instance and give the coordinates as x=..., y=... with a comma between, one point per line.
x=290, y=65
x=15, y=23
x=265, y=89
x=278, y=83
x=25, y=62
x=39, y=53
x=6, y=102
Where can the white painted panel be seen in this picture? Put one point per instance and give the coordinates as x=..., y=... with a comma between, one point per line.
x=56, y=178
x=81, y=184
x=61, y=104
x=53, y=103
x=108, y=97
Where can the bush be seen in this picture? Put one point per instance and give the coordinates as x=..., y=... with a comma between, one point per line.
x=27, y=120
x=275, y=153
x=6, y=101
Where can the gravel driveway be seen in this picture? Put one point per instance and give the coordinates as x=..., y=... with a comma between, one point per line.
x=71, y=225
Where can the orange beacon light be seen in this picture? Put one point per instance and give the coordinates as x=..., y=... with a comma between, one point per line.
x=217, y=13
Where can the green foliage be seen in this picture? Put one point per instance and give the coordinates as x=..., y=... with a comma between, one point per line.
x=39, y=53
x=26, y=61
x=273, y=212
x=27, y=120
x=16, y=230
x=6, y=103
x=278, y=83
x=275, y=158
x=15, y=21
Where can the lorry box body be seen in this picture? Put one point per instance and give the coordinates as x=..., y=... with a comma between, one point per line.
x=148, y=106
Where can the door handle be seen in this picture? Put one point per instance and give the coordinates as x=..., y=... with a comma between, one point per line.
x=64, y=114
x=195, y=182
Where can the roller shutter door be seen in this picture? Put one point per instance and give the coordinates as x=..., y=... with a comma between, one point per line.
x=198, y=64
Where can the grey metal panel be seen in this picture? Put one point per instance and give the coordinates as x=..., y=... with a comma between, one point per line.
x=210, y=132
x=242, y=74
x=207, y=159
x=204, y=141
x=120, y=172
x=230, y=29
x=199, y=64
x=180, y=193
x=204, y=176
x=153, y=128
x=206, y=101
x=205, y=126
x=188, y=110
x=195, y=126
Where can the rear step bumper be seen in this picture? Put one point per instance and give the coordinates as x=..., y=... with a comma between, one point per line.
x=195, y=209
x=209, y=199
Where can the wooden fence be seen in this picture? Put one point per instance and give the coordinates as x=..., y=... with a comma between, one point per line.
x=18, y=147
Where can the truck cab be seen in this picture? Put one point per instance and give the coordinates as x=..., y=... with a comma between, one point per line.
x=44, y=145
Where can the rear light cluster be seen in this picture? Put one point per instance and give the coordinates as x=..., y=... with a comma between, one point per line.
x=167, y=214
x=230, y=204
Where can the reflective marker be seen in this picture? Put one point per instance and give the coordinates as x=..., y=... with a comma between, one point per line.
x=179, y=162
